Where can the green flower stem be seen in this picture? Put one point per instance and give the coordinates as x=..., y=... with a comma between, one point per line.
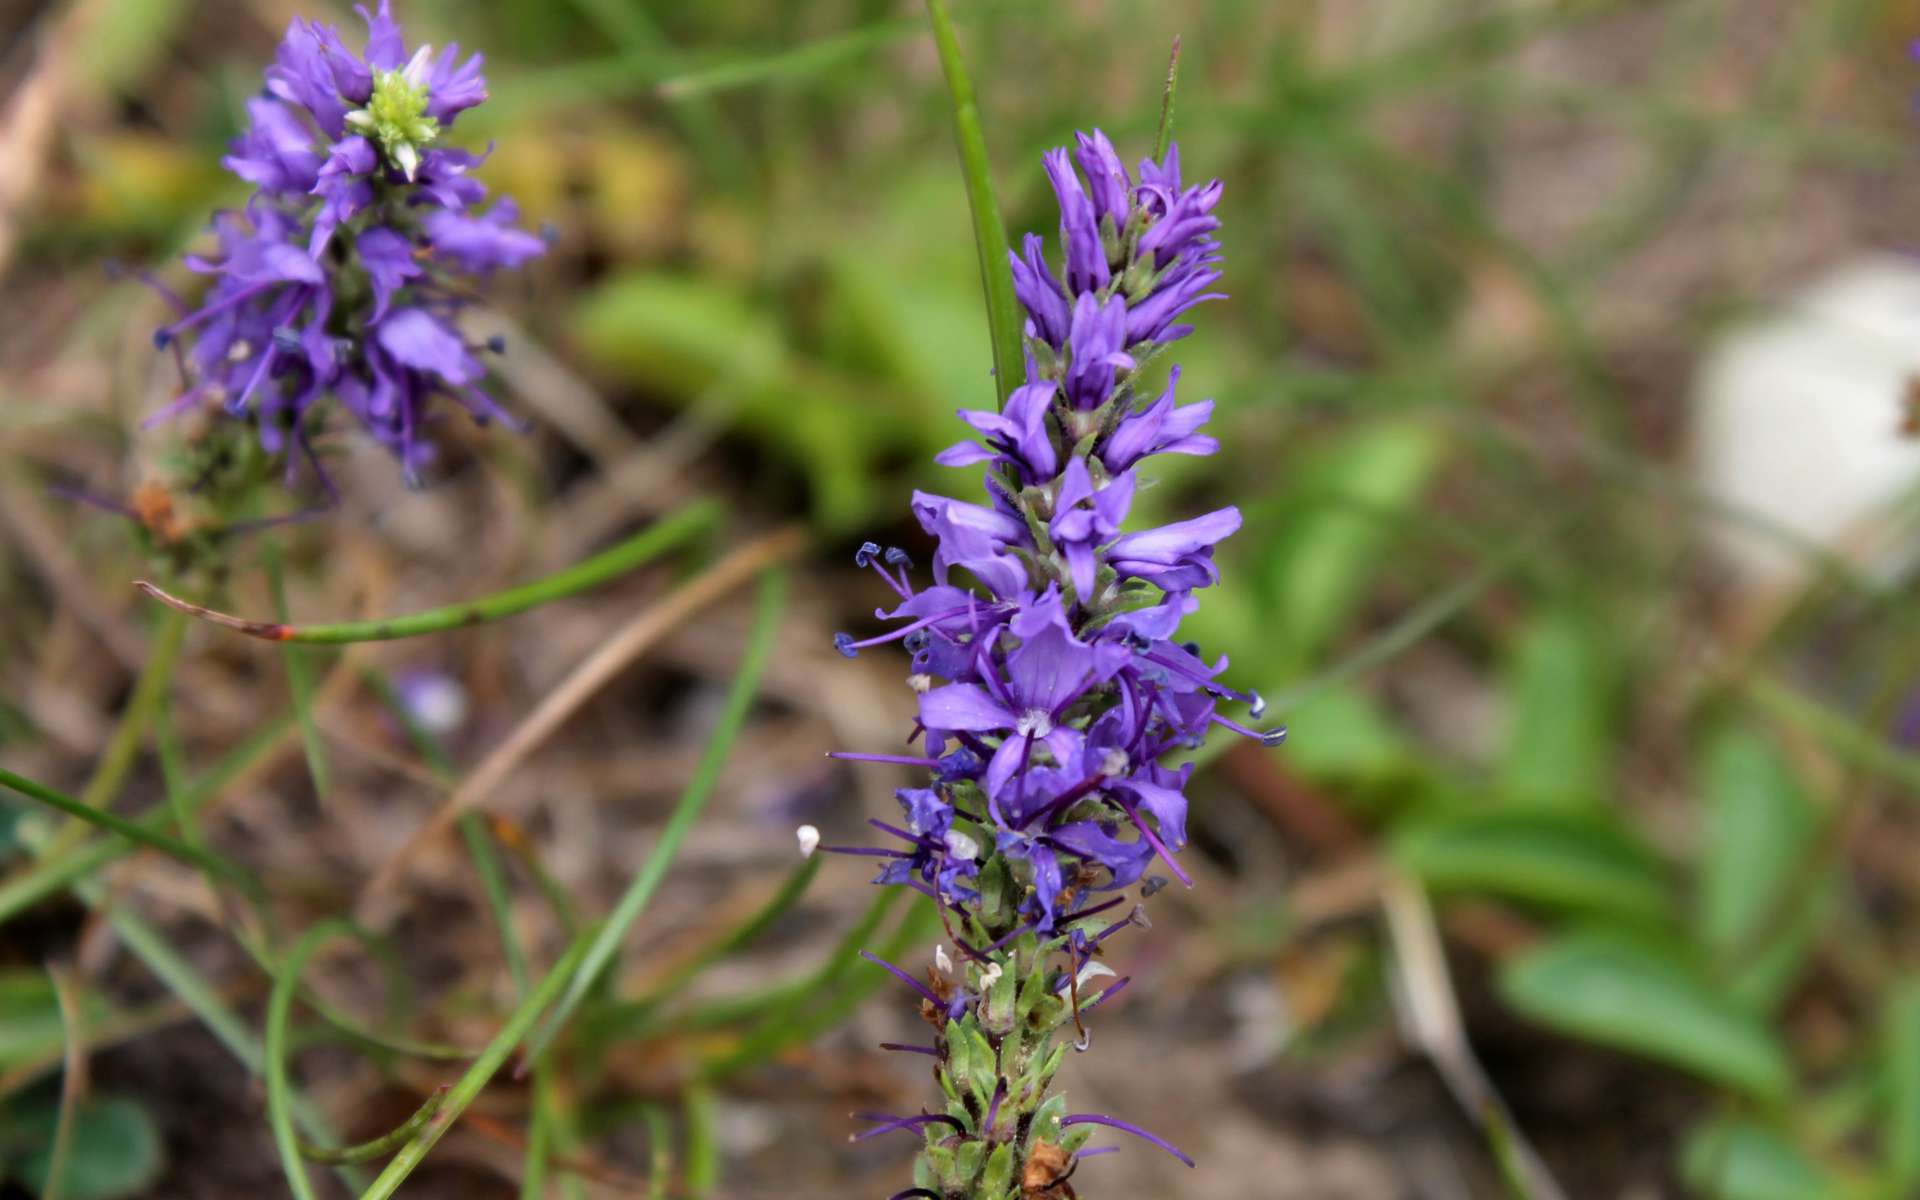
x=662, y=536
x=1004, y=322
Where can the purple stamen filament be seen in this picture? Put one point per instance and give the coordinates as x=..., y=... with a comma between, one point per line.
x=1124, y=1127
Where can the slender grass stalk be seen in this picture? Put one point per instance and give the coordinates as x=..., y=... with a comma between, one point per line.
x=493, y=881
x=693, y=801
x=73, y=1079
x=55, y=870
x=745, y=933
x=185, y=981
x=1004, y=321
x=279, y=1090
x=299, y=680
x=386, y=1143
x=664, y=535
x=659, y=1151
x=135, y=831
x=123, y=747
x=470, y=1085
x=703, y=1140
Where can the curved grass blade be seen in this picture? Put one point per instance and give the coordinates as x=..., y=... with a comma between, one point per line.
x=73, y=1081
x=666, y=534
x=1004, y=321
x=746, y=684
x=279, y=1090
x=387, y=1142
x=470, y=1085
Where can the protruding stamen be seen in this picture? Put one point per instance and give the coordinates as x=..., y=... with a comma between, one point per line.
x=864, y=556
x=1124, y=1127
x=896, y=557
x=843, y=642
x=904, y=1048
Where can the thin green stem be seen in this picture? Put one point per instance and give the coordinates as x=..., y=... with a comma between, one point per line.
x=72, y=1082
x=386, y=1143
x=470, y=1085
x=746, y=932
x=299, y=680
x=746, y=684
x=493, y=881
x=57, y=869
x=657, y=539
x=279, y=1089
x=103, y=787
x=136, y=831
x=1004, y=322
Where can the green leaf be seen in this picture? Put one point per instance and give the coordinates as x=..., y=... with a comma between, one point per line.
x=1562, y=687
x=1338, y=529
x=1582, y=862
x=1900, y=1080
x=1738, y=1160
x=30, y=1022
x=116, y=1147
x=1760, y=828
x=1622, y=994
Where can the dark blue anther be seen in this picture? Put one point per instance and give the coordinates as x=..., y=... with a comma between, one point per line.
x=843, y=642
x=896, y=557
x=286, y=339
x=916, y=641
x=1257, y=707
x=1152, y=884
x=162, y=338
x=497, y=343
x=1273, y=737
x=864, y=556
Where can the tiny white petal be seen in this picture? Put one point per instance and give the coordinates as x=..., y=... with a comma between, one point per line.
x=942, y=959
x=415, y=71
x=990, y=975
x=408, y=158
x=1093, y=970
x=961, y=846
x=920, y=683
x=809, y=840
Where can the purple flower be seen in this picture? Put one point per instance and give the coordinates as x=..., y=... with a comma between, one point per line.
x=344, y=150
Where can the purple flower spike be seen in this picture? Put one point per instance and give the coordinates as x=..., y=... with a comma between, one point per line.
x=1126, y=1127
x=1051, y=687
x=345, y=272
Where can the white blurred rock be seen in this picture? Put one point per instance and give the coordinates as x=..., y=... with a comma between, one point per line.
x=1797, y=419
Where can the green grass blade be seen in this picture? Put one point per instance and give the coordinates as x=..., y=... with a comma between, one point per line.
x=797, y=62
x=73, y=1035
x=279, y=1090
x=470, y=1085
x=746, y=685
x=299, y=680
x=746, y=932
x=185, y=982
x=1004, y=320
x=387, y=1142
x=703, y=1140
x=142, y=832
x=493, y=881
x=60, y=869
x=662, y=536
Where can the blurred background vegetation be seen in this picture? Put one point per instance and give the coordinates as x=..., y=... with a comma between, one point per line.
x=1592, y=867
